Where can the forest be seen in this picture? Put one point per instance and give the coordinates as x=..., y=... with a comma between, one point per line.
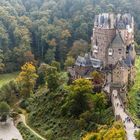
x=39, y=39
x=48, y=30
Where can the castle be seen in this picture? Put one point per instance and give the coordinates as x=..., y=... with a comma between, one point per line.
x=112, y=50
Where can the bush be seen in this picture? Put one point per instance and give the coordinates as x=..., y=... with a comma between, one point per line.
x=4, y=111
x=137, y=135
x=49, y=134
x=26, y=133
x=24, y=104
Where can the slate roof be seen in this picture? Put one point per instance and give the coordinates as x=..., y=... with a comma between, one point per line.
x=117, y=41
x=83, y=61
x=88, y=61
x=123, y=20
x=122, y=63
x=96, y=63
x=128, y=60
x=125, y=63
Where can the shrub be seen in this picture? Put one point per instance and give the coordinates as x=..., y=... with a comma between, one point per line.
x=26, y=133
x=24, y=104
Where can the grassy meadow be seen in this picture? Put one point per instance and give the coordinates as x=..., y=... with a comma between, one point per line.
x=5, y=78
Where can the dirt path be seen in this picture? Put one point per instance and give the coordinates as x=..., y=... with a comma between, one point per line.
x=24, y=121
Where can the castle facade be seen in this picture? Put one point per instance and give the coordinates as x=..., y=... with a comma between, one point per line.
x=112, y=49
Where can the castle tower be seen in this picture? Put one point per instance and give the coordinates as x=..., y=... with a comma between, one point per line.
x=112, y=49
x=113, y=38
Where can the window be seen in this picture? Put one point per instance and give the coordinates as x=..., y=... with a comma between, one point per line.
x=120, y=51
x=96, y=43
x=110, y=52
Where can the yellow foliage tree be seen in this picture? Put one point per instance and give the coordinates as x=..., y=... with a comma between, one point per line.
x=116, y=132
x=92, y=136
x=27, y=79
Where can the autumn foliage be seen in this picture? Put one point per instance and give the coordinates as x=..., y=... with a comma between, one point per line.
x=116, y=132
x=27, y=79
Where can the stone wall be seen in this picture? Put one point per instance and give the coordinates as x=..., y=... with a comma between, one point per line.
x=102, y=38
x=120, y=75
x=118, y=52
x=82, y=71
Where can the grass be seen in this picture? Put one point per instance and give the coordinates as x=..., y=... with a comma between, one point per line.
x=26, y=133
x=5, y=78
x=132, y=94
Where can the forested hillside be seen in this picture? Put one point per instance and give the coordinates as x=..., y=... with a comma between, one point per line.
x=48, y=29
x=39, y=39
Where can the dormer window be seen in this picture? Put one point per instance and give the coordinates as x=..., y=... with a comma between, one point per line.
x=110, y=52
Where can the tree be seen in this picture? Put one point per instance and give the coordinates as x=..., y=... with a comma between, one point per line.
x=56, y=64
x=50, y=75
x=52, y=78
x=1, y=61
x=77, y=100
x=116, y=132
x=65, y=34
x=50, y=56
x=79, y=48
x=27, y=79
x=81, y=86
x=69, y=61
x=9, y=92
x=4, y=111
x=42, y=74
x=29, y=57
x=98, y=80
x=99, y=102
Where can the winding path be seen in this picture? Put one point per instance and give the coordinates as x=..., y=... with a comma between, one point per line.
x=8, y=131
x=23, y=119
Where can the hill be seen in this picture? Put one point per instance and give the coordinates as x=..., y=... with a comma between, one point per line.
x=47, y=118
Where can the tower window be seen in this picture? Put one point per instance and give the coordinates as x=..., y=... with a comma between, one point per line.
x=110, y=52
x=96, y=43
